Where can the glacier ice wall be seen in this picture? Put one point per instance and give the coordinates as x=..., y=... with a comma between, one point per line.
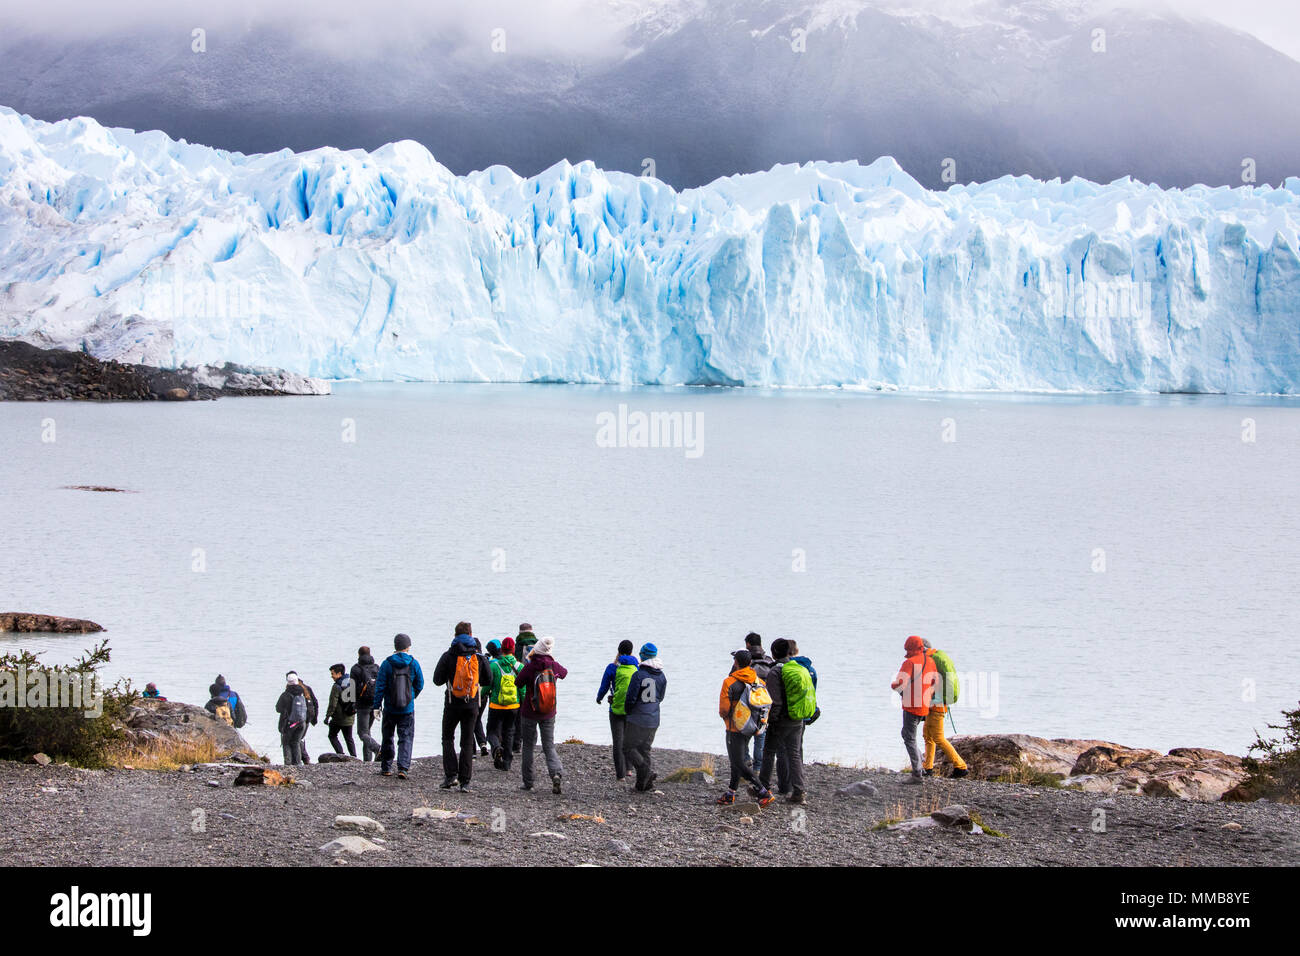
x=384, y=265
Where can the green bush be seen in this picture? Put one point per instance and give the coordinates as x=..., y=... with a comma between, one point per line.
x=1275, y=772
x=60, y=710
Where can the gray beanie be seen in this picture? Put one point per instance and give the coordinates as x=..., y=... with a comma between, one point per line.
x=401, y=642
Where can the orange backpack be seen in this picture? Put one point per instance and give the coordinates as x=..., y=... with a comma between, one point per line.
x=464, y=684
x=543, y=702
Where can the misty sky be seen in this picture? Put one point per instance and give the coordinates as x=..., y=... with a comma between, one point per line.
x=575, y=26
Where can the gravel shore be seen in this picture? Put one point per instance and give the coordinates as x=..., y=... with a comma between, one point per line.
x=65, y=816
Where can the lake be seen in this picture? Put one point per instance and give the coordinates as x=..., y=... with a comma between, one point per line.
x=1119, y=567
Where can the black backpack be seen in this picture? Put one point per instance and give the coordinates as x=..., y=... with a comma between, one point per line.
x=366, y=686
x=399, y=691
x=348, y=698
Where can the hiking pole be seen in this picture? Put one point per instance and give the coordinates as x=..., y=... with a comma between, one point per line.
x=953, y=722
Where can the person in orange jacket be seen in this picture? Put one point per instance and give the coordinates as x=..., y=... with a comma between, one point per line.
x=733, y=688
x=933, y=732
x=915, y=682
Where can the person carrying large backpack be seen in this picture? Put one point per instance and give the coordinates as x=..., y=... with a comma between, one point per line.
x=292, y=708
x=915, y=685
x=463, y=671
x=341, y=713
x=538, y=679
x=399, y=682
x=313, y=712
x=762, y=662
x=504, y=697
x=614, y=682
x=946, y=690
x=645, y=692
x=521, y=646
x=743, y=705
x=794, y=700
x=364, y=673
x=221, y=693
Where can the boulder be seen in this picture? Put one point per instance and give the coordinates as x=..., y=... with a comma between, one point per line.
x=332, y=757
x=176, y=394
x=424, y=814
x=990, y=756
x=41, y=759
x=1107, y=758
x=953, y=816
x=25, y=623
x=262, y=776
x=862, y=788
x=151, y=720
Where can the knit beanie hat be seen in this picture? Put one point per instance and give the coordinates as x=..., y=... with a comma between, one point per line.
x=401, y=642
x=649, y=651
x=544, y=646
x=508, y=645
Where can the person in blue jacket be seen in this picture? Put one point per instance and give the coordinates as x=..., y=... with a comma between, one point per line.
x=645, y=692
x=614, y=682
x=399, y=682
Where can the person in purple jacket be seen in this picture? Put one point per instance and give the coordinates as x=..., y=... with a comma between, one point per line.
x=538, y=709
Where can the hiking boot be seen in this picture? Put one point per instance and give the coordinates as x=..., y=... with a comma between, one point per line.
x=527, y=786
x=650, y=783
x=448, y=783
x=928, y=773
x=464, y=788
x=727, y=799
x=555, y=784
x=401, y=774
x=385, y=773
x=483, y=751
x=797, y=797
x=766, y=798
x=958, y=774
x=496, y=758
x=914, y=778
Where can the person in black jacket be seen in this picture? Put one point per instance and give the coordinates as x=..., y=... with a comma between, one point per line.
x=460, y=711
x=293, y=719
x=364, y=673
x=313, y=711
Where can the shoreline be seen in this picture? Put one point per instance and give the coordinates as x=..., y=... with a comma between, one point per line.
x=67, y=816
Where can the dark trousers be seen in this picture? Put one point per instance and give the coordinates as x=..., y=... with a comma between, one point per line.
x=617, y=730
x=637, y=741
x=784, y=737
x=347, y=735
x=365, y=720
x=480, y=735
x=741, y=767
x=501, y=735
x=519, y=730
x=462, y=717
x=404, y=726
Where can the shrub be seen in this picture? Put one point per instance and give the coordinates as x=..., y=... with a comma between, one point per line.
x=1275, y=772
x=53, y=718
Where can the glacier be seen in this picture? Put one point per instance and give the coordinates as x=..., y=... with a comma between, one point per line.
x=384, y=265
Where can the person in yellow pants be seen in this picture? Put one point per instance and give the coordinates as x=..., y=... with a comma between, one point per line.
x=934, y=738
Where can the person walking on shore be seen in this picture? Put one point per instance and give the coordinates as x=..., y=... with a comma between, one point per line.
x=504, y=694
x=793, y=700
x=945, y=693
x=538, y=678
x=915, y=686
x=614, y=683
x=645, y=692
x=743, y=705
x=399, y=682
x=292, y=708
x=762, y=662
x=363, y=674
x=341, y=713
x=480, y=734
x=313, y=714
x=463, y=671
x=524, y=642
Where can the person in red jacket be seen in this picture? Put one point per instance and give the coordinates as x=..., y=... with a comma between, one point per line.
x=915, y=682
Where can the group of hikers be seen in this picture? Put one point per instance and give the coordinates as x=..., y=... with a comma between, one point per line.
x=766, y=703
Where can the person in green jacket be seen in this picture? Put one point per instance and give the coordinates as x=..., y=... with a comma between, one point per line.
x=504, y=697
x=341, y=713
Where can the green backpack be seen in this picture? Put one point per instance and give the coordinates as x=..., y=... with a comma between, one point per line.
x=947, y=688
x=618, y=696
x=800, y=695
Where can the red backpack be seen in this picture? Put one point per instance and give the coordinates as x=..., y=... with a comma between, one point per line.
x=543, y=702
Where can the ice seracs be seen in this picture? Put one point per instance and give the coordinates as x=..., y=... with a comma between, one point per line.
x=384, y=265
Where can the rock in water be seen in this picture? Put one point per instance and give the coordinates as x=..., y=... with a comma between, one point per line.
x=176, y=395
x=26, y=623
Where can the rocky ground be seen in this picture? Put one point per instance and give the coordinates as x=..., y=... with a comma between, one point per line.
x=61, y=815
x=29, y=373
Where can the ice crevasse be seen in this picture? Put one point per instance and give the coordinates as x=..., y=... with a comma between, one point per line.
x=384, y=265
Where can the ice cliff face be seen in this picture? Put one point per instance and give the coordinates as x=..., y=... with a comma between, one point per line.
x=384, y=265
